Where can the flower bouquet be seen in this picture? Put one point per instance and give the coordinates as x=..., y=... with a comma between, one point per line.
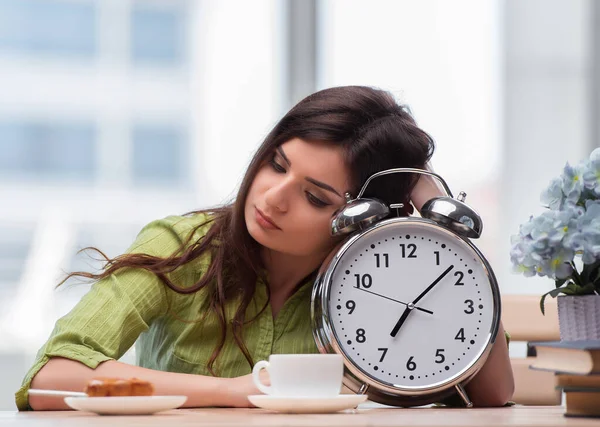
x=563, y=243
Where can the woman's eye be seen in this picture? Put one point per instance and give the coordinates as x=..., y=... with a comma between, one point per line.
x=276, y=166
x=312, y=199
x=317, y=202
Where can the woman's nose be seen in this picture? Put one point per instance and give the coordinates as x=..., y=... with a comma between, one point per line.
x=276, y=196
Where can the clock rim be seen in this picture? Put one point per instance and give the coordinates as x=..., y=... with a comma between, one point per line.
x=354, y=377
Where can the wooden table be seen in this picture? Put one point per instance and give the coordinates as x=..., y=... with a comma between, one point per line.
x=364, y=416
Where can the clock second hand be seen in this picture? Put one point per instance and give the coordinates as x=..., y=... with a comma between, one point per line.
x=395, y=300
x=411, y=306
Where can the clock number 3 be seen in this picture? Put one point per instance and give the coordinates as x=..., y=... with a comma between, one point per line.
x=470, y=309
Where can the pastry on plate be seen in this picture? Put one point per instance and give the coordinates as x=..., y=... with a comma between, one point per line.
x=102, y=387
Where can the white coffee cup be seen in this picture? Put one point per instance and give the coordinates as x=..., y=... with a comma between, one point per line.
x=306, y=375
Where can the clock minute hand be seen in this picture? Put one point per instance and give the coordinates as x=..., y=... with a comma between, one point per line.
x=435, y=282
x=411, y=306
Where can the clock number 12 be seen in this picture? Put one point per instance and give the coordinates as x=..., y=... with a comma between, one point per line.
x=411, y=250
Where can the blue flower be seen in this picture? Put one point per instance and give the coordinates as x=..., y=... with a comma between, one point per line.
x=538, y=248
x=520, y=256
x=591, y=174
x=585, y=238
x=572, y=183
x=558, y=266
x=553, y=196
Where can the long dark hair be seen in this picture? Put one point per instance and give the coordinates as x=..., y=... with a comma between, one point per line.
x=374, y=132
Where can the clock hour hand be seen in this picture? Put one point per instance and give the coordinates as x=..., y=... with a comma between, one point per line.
x=411, y=305
x=402, y=319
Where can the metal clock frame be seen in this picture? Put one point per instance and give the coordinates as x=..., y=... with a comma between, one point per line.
x=354, y=377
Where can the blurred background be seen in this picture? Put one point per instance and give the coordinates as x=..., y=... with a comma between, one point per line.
x=117, y=112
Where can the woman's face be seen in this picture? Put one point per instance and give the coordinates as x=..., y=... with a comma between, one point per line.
x=293, y=196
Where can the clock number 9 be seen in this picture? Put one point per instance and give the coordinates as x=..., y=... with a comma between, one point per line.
x=350, y=305
x=411, y=365
x=366, y=280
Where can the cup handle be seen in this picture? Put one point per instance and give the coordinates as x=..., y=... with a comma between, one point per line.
x=263, y=364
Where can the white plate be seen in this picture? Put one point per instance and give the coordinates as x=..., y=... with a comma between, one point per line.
x=307, y=405
x=125, y=405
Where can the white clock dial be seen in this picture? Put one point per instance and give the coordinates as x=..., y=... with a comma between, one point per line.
x=370, y=295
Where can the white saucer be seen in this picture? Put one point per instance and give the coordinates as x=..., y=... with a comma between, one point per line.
x=125, y=405
x=307, y=405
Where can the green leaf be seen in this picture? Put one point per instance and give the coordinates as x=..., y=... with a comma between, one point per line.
x=573, y=289
x=594, y=276
x=542, y=299
x=553, y=293
x=559, y=282
x=590, y=272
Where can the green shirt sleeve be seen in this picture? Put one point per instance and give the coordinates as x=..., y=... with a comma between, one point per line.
x=116, y=310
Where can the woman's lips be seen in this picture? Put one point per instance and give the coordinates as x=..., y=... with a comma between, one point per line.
x=264, y=221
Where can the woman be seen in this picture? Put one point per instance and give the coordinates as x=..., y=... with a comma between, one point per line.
x=212, y=292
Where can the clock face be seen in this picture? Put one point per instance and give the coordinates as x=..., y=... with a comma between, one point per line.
x=411, y=304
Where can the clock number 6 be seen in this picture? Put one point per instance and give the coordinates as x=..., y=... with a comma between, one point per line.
x=411, y=365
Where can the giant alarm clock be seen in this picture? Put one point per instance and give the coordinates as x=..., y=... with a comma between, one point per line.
x=409, y=302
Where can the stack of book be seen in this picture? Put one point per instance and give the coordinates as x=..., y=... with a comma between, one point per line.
x=577, y=368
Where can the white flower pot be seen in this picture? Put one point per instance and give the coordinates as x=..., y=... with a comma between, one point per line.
x=579, y=317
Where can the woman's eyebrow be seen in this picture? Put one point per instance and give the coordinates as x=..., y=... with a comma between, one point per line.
x=311, y=180
x=323, y=185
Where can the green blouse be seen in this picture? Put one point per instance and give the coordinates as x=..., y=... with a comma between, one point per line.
x=134, y=306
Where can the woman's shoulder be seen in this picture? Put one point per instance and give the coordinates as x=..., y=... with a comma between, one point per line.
x=167, y=234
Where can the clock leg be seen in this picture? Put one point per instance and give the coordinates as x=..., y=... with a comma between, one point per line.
x=463, y=394
x=363, y=388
